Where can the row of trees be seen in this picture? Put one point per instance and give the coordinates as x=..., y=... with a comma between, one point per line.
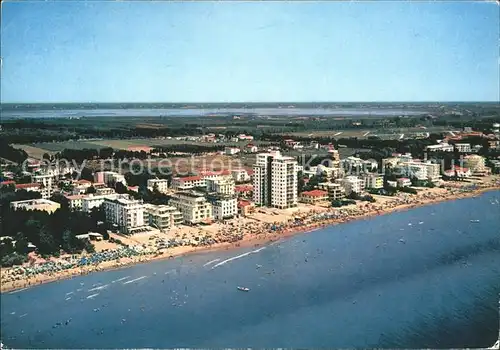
x=11, y=153
x=50, y=233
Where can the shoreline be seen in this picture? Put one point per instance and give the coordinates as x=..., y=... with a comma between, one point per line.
x=258, y=240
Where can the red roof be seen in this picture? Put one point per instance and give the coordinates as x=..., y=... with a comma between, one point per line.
x=190, y=178
x=249, y=171
x=242, y=204
x=21, y=186
x=76, y=196
x=83, y=182
x=315, y=193
x=243, y=188
x=8, y=182
x=212, y=173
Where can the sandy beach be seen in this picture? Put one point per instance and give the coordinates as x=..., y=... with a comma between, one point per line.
x=262, y=227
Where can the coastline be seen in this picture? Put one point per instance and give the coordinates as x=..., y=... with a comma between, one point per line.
x=248, y=240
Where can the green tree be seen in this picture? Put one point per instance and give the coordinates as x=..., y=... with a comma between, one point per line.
x=21, y=246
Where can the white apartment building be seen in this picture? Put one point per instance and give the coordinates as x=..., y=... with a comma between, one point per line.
x=161, y=185
x=443, y=147
x=101, y=191
x=75, y=202
x=79, y=189
x=223, y=207
x=355, y=165
x=224, y=186
x=328, y=172
x=275, y=180
x=335, y=190
x=162, y=217
x=463, y=147
x=36, y=204
x=476, y=164
x=403, y=182
x=35, y=187
x=194, y=207
x=352, y=184
x=126, y=213
x=374, y=181
x=95, y=201
x=47, y=184
x=421, y=170
x=207, y=175
x=188, y=182
x=240, y=175
x=396, y=159
x=109, y=178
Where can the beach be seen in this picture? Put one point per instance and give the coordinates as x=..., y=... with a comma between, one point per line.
x=262, y=227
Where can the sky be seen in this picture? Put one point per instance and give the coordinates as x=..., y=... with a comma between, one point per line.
x=124, y=51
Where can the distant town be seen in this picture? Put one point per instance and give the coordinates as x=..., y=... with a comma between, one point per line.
x=82, y=209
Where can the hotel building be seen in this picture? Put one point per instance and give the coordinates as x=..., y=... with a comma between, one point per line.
x=47, y=184
x=126, y=213
x=36, y=204
x=194, y=207
x=224, y=186
x=162, y=217
x=160, y=184
x=335, y=190
x=275, y=180
x=223, y=207
x=374, y=181
x=352, y=184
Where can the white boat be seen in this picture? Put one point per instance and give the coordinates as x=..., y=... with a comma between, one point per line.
x=243, y=289
x=495, y=346
x=474, y=221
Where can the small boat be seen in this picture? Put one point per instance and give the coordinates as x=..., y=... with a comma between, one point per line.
x=474, y=221
x=243, y=289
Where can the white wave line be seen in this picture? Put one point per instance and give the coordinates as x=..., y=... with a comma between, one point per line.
x=137, y=279
x=69, y=293
x=17, y=291
x=68, y=298
x=23, y=315
x=120, y=279
x=237, y=257
x=98, y=288
x=211, y=262
x=169, y=272
x=92, y=296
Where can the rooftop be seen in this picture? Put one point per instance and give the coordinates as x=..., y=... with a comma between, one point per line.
x=190, y=178
x=21, y=186
x=315, y=193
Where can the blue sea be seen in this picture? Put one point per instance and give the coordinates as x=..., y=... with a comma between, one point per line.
x=423, y=278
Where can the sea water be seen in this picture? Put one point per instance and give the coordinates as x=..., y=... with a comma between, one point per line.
x=379, y=282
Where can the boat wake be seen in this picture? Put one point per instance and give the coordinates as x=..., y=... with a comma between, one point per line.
x=120, y=279
x=98, y=288
x=211, y=262
x=135, y=280
x=92, y=296
x=237, y=257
